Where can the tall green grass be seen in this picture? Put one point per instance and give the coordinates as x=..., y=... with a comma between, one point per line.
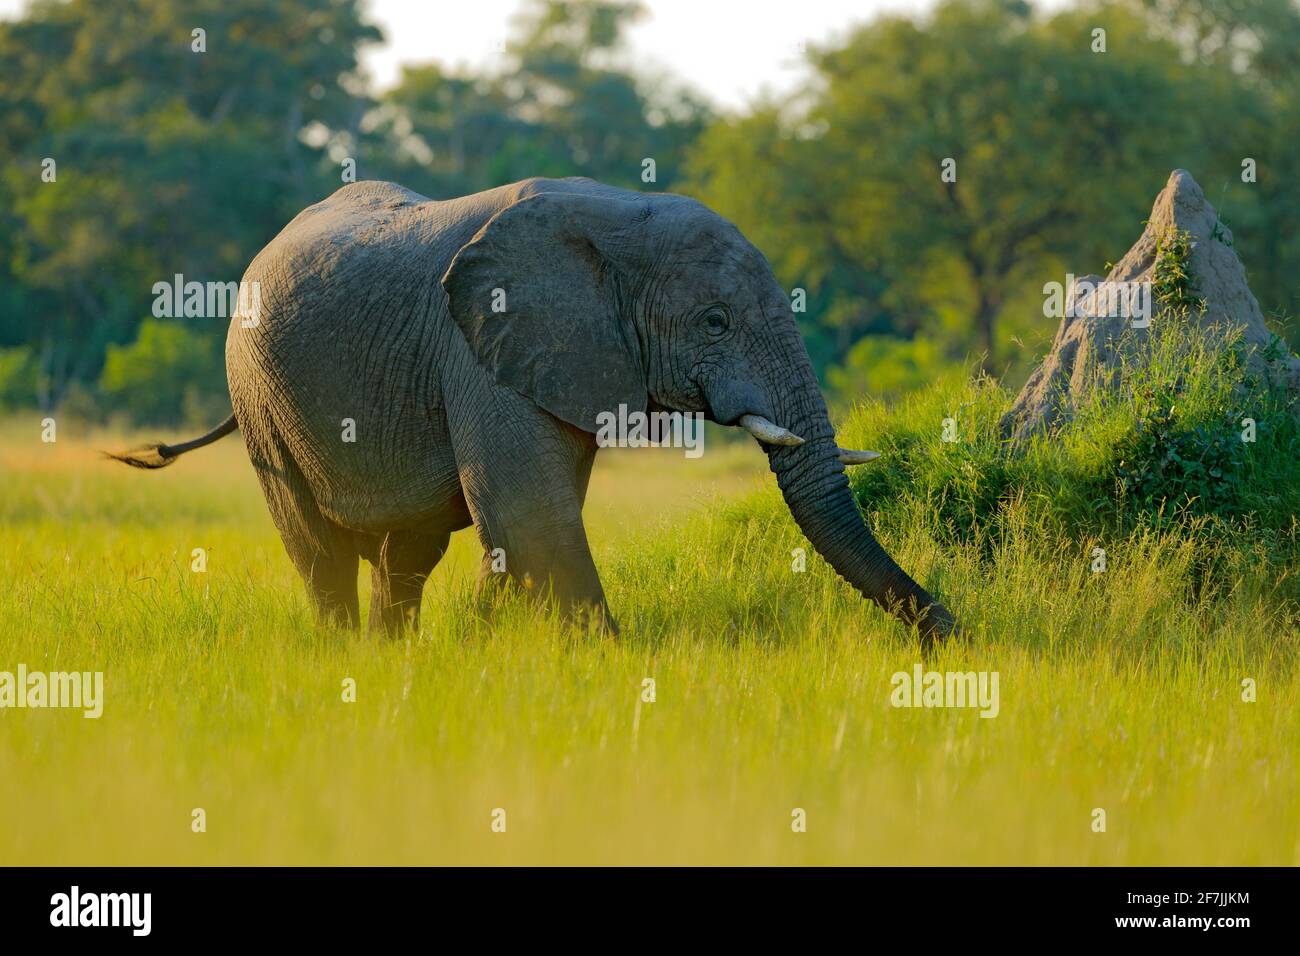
x=1121, y=690
x=1159, y=458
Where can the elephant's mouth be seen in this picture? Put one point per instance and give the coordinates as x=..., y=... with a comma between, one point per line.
x=728, y=399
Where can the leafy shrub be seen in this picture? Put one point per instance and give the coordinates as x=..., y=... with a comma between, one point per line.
x=1172, y=282
x=888, y=367
x=1187, y=446
x=18, y=377
x=162, y=377
x=1164, y=451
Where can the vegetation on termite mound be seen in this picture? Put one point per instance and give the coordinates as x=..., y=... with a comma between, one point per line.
x=1172, y=282
x=1217, y=439
x=1189, y=427
x=1169, y=441
x=1163, y=452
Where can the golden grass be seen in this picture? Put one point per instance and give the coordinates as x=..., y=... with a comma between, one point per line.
x=772, y=692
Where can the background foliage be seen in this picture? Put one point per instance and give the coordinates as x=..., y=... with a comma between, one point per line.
x=175, y=162
x=1121, y=690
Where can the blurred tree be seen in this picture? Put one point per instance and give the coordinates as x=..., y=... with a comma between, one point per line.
x=564, y=104
x=18, y=380
x=594, y=115
x=1058, y=152
x=155, y=377
x=168, y=160
x=887, y=367
x=1054, y=150
x=1251, y=47
x=445, y=135
x=171, y=160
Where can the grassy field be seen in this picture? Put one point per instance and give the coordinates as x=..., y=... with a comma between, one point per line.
x=1120, y=691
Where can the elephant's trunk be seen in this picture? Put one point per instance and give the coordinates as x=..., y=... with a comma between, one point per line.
x=812, y=481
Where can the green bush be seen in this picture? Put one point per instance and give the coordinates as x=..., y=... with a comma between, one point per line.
x=18, y=377
x=1191, y=447
x=168, y=375
x=888, y=367
x=1163, y=452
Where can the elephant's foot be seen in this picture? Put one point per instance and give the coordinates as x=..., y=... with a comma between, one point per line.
x=393, y=618
x=594, y=619
x=336, y=611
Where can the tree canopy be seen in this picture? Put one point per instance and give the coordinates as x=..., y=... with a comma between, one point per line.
x=1054, y=150
x=932, y=174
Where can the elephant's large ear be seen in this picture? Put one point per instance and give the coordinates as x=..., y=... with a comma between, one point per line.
x=534, y=294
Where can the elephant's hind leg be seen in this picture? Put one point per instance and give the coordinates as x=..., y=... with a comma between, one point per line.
x=533, y=537
x=332, y=580
x=399, y=568
x=325, y=554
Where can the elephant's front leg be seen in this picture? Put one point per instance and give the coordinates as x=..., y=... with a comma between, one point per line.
x=525, y=482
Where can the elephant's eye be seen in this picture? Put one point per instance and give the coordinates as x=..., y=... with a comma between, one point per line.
x=717, y=319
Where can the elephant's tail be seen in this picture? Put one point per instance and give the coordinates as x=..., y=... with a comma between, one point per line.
x=160, y=456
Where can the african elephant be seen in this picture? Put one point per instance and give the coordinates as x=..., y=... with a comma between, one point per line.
x=381, y=307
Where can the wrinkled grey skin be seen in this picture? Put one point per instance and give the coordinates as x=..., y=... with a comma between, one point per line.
x=376, y=306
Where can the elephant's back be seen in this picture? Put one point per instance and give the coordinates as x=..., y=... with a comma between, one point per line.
x=342, y=357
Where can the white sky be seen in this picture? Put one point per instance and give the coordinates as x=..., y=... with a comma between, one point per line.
x=730, y=50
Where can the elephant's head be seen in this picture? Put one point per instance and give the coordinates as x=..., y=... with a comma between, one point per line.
x=653, y=301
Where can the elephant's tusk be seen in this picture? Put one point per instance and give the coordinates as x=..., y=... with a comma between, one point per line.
x=851, y=457
x=768, y=432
